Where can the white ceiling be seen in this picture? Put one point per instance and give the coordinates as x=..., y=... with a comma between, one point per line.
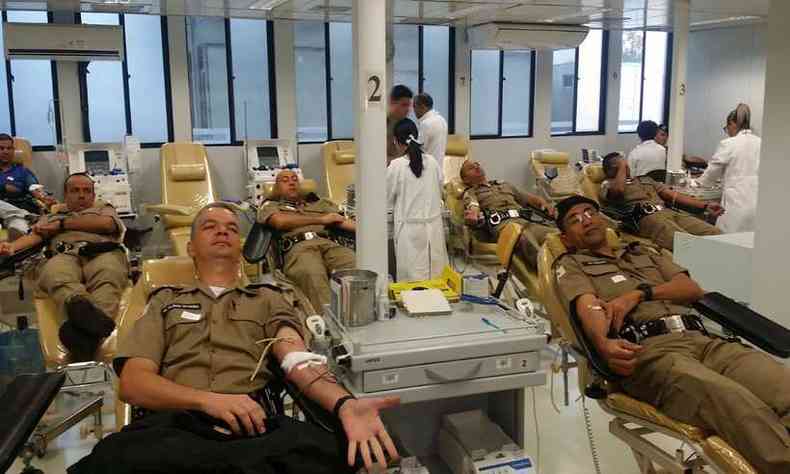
x=609, y=14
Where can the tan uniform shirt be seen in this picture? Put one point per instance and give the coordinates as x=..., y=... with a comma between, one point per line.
x=208, y=342
x=495, y=195
x=315, y=209
x=100, y=208
x=585, y=272
x=642, y=189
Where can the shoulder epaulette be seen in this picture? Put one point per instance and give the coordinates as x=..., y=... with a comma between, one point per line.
x=271, y=286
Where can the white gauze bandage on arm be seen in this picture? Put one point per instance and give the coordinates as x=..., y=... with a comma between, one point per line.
x=300, y=360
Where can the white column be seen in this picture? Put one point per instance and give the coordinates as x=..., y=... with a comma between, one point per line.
x=677, y=105
x=179, y=79
x=370, y=133
x=286, y=90
x=462, y=84
x=771, y=258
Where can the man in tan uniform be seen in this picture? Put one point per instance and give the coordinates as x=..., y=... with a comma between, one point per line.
x=310, y=255
x=88, y=269
x=198, y=348
x=483, y=195
x=635, y=292
x=643, y=201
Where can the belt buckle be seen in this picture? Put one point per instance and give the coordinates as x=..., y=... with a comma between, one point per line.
x=286, y=245
x=649, y=208
x=513, y=213
x=309, y=235
x=495, y=218
x=674, y=323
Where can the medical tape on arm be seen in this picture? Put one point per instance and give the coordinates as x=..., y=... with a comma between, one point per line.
x=301, y=360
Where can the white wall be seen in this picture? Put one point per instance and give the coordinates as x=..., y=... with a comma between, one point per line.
x=503, y=158
x=726, y=66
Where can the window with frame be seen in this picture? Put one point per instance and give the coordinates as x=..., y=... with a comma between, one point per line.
x=324, y=103
x=644, y=76
x=578, y=87
x=28, y=102
x=502, y=92
x=130, y=97
x=231, y=80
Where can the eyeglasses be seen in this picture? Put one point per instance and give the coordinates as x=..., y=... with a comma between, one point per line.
x=580, y=217
x=291, y=179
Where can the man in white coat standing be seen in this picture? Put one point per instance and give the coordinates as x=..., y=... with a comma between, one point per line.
x=433, y=128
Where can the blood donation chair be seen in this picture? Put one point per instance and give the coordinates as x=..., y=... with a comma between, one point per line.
x=634, y=421
x=463, y=239
x=186, y=187
x=555, y=177
x=513, y=262
x=339, y=157
x=592, y=178
x=456, y=153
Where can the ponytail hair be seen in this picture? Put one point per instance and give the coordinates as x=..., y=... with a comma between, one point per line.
x=741, y=117
x=406, y=134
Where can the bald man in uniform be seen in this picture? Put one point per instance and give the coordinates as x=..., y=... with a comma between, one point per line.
x=88, y=270
x=626, y=299
x=484, y=195
x=310, y=254
x=645, y=200
x=193, y=361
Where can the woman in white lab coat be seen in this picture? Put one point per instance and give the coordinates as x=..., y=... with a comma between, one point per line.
x=414, y=193
x=736, y=163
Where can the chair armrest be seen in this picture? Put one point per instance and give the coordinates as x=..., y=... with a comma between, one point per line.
x=169, y=210
x=10, y=263
x=257, y=243
x=746, y=323
x=24, y=402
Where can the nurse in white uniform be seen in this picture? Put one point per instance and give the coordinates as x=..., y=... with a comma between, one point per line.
x=414, y=193
x=736, y=162
x=649, y=155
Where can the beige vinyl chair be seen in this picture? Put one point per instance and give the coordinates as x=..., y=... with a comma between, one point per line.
x=506, y=252
x=635, y=421
x=567, y=181
x=462, y=238
x=456, y=153
x=592, y=178
x=339, y=157
x=186, y=187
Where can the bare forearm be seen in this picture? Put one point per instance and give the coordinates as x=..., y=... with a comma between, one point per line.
x=593, y=317
x=26, y=241
x=92, y=224
x=286, y=223
x=681, y=290
x=682, y=199
x=348, y=225
x=315, y=382
x=152, y=391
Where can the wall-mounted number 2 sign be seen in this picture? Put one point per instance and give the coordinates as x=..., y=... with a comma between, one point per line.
x=374, y=94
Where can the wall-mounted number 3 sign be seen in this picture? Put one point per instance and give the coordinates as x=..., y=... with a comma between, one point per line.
x=374, y=87
x=683, y=89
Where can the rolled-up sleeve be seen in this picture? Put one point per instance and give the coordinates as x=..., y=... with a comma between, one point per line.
x=281, y=313
x=266, y=211
x=146, y=339
x=571, y=281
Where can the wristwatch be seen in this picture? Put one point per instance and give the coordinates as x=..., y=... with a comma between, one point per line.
x=647, y=290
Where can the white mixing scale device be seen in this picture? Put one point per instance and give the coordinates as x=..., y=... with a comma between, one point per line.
x=108, y=165
x=265, y=159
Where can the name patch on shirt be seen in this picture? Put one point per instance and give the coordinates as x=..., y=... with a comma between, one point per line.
x=181, y=306
x=191, y=316
x=595, y=262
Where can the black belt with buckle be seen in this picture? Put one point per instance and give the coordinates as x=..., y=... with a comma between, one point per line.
x=83, y=249
x=495, y=217
x=680, y=323
x=287, y=243
x=644, y=209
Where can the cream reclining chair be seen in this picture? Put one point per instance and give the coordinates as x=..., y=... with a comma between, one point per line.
x=567, y=181
x=633, y=420
x=512, y=261
x=592, y=178
x=456, y=153
x=339, y=157
x=186, y=187
x=462, y=238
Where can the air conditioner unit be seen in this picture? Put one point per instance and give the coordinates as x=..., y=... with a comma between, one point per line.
x=64, y=42
x=534, y=36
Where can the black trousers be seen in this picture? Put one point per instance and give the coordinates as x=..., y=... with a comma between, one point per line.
x=175, y=442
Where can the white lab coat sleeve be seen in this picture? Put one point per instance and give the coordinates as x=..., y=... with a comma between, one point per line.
x=717, y=165
x=392, y=185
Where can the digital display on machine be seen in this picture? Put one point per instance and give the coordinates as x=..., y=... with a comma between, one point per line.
x=97, y=161
x=268, y=156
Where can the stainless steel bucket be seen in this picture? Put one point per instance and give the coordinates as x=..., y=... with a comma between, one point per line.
x=354, y=297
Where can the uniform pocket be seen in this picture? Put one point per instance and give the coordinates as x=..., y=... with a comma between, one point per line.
x=601, y=269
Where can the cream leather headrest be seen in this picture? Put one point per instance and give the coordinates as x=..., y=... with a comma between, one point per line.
x=552, y=157
x=23, y=152
x=344, y=157
x=456, y=146
x=595, y=173
x=188, y=172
